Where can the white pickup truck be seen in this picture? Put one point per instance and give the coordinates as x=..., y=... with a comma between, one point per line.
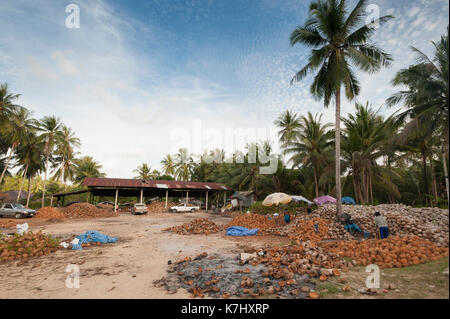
x=184, y=208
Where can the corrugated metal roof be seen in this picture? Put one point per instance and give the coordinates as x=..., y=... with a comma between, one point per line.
x=139, y=183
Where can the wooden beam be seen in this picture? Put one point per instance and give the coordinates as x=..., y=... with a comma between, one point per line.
x=142, y=194
x=115, y=201
x=206, y=201
x=167, y=197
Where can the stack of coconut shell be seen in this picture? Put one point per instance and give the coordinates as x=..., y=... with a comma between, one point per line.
x=302, y=227
x=49, y=212
x=7, y=223
x=197, y=226
x=106, y=206
x=303, y=258
x=394, y=251
x=159, y=207
x=28, y=245
x=85, y=210
x=427, y=223
x=253, y=221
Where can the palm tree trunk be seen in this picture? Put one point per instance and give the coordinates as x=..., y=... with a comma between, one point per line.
x=433, y=181
x=315, y=180
x=355, y=190
x=338, y=151
x=444, y=161
x=62, y=171
x=21, y=185
x=425, y=176
x=29, y=191
x=45, y=179
x=390, y=180
x=364, y=185
x=7, y=163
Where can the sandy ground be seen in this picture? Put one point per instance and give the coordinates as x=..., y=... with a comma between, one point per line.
x=125, y=269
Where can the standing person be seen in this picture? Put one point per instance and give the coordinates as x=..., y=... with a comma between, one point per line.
x=287, y=217
x=381, y=223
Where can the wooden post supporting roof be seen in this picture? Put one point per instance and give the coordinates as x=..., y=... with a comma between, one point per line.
x=142, y=195
x=167, y=197
x=51, y=201
x=206, y=201
x=115, y=201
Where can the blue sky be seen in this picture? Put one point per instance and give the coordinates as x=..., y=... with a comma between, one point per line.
x=137, y=75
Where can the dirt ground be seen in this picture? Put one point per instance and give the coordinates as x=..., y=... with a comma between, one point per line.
x=128, y=268
x=125, y=269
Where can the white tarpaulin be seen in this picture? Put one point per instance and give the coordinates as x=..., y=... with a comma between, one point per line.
x=299, y=198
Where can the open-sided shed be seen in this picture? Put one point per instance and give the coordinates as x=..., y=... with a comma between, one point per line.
x=140, y=188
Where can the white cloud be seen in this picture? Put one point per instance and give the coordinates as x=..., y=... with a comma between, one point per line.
x=65, y=64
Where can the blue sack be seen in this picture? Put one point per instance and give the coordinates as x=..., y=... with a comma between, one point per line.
x=348, y=200
x=93, y=236
x=241, y=231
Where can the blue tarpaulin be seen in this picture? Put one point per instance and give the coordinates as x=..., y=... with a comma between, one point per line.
x=93, y=236
x=241, y=231
x=348, y=200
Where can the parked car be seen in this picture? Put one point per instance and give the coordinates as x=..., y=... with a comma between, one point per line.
x=184, y=208
x=139, y=208
x=16, y=210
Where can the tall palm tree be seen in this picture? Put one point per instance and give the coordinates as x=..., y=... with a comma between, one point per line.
x=339, y=40
x=86, y=166
x=6, y=102
x=18, y=128
x=288, y=123
x=364, y=138
x=427, y=93
x=312, y=145
x=65, y=155
x=144, y=171
x=51, y=134
x=168, y=165
x=30, y=158
x=421, y=142
x=184, y=164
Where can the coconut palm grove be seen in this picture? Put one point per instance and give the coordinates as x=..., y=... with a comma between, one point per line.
x=368, y=155
x=205, y=150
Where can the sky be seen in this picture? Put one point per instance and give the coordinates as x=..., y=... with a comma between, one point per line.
x=139, y=79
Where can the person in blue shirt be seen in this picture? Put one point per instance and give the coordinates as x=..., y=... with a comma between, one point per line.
x=287, y=217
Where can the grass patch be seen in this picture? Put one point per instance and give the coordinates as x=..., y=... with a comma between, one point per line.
x=414, y=282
